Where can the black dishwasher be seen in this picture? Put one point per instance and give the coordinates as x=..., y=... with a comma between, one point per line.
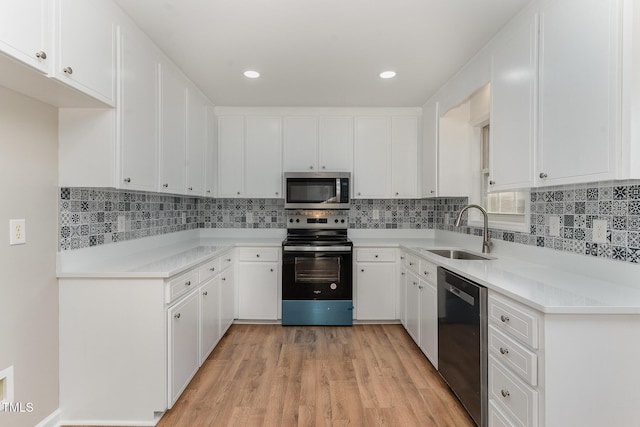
x=462, y=341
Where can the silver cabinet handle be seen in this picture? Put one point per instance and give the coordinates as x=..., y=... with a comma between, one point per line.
x=504, y=351
x=504, y=393
x=127, y=180
x=166, y=185
x=401, y=257
x=67, y=70
x=212, y=269
x=397, y=193
x=228, y=259
x=542, y=175
x=310, y=167
x=359, y=194
x=271, y=270
x=177, y=316
x=410, y=263
x=187, y=283
x=492, y=182
x=208, y=191
x=420, y=287
x=277, y=193
x=362, y=270
x=238, y=193
x=504, y=318
x=224, y=279
x=376, y=256
x=190, y=188
x=415, y=283
x=257, y=255
x=432, y=191
x=205, y=293
x=324, y=167
x=403, y=273
x=41, y=55
x=426, y=273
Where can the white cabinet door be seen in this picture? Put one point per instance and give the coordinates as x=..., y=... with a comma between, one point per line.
x=402, y=284
x=300, y=144
x=375, y=291
x=173, y=122
x=429, y=321
x=184, y=357
x=335, y=138
x=231, y=156
x=429, y=166
x=228, y=301
x=372, y=171
x=196, y=142
x=579, y=98
x=258, y=290
x=404, y=157
x=85, y=47
x=413, y=306
x=211, y=162
x=137, y=112
x=513, y=85
x=210, y=316
x=263, y=157
x=24, y=32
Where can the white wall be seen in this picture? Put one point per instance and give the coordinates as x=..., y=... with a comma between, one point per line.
x=28, y=285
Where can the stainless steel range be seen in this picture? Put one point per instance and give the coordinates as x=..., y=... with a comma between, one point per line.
x=317, y=285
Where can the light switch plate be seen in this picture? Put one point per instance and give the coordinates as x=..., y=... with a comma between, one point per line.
x=554, y=225
x=599, y=231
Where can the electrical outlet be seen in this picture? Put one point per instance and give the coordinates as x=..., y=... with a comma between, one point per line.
x=599, y=231
x=376, y=214
x=249, y=217
x=554, y=225
x=17, y=232
x=184, y=218
x=122, y=225
x=447, y=218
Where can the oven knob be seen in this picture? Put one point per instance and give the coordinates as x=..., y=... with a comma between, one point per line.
x=290, y=219
x=342, y=221
x=297, y=219
x=336, y=220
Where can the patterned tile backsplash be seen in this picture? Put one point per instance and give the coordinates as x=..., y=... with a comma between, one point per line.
x=89, y=216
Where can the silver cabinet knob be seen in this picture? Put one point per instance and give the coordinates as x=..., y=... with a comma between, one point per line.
x=205, y=293
x=362, y=270
x=410, y=263
x=492, y=182
x=177, y=316
x=212, y=269
x=165, y=185
x=311, y=167
x=224, y=279
x=127, y=180
x=432, y=191
x=401, y=257
x=67, y=70
x=257, y=255
x=271, y=270
x=504, y=318
x=208, y=191
x=41, y=55
x=376, y=256
x=420, y=287
x=187, y=283
x=504, y=393
x=403, y=273
x=277, y=193
x=504, y=351
x=238, y=193
x=397, y=193
x=190, y=189
x=426, y=273
x=359, y=194
x=324, y=167
x=543, y=175
x=415, y=283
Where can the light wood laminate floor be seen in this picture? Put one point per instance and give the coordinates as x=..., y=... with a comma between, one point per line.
x=270, y=375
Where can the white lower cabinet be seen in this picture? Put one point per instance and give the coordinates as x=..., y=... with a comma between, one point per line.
x=259, y=283
x=413, y=306
x=227, y=299
x=184, y=359
x=429, y=320
x=210, y=316
x=375, y=289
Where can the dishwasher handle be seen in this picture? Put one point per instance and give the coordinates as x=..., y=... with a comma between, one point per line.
x=461, y=294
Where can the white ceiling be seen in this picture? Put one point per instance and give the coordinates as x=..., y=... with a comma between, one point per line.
x=320, y=52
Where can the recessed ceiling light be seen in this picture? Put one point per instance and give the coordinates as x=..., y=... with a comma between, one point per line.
x=251, y=74
x=387, y=74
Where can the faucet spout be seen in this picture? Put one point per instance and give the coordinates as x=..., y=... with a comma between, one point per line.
x=486, y=240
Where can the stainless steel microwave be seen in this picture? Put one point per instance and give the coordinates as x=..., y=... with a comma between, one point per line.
x=317, y=190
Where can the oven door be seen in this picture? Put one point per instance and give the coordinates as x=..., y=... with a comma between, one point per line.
x=317, y=275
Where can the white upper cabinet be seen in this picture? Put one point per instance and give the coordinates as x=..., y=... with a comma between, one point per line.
x=318, y=144
x=404, y=159
x=137, y=114
x=263, y=156
x=372, y=169
x=429, y=166
x=196, y=142
x=579, y=93
x=513, y=95
x=25, y=32
x=335, y=137
x=300, y=142
x=211, y=163
x=173, y=108
x=231, y=156
x=85, y=47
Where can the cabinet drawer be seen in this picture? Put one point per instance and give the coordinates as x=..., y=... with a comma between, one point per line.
x=512, y=395
x=259, y=254
x=513, y=355
x=514, y=319
x=208, y=270
x=376, y=255
x=429, y=272
x=497, y=418
x=181, y=285
x=413, y=264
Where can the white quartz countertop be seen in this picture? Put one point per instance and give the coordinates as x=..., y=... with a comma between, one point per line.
x=550, y=281
x=547, y=288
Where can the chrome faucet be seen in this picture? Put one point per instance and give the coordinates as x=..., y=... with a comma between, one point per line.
x=486, y=240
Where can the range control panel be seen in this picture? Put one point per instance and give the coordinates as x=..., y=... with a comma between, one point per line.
x=317, y=219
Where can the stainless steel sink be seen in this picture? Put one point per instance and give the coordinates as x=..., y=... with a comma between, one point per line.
x=458, y=254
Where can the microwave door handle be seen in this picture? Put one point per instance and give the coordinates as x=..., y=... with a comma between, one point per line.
x=338, y=198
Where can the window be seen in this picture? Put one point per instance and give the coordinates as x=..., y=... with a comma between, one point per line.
x=504, y=207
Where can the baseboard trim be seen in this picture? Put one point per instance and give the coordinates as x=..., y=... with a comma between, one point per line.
x=53, y=420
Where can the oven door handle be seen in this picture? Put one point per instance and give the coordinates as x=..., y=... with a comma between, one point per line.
x=317, y=248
